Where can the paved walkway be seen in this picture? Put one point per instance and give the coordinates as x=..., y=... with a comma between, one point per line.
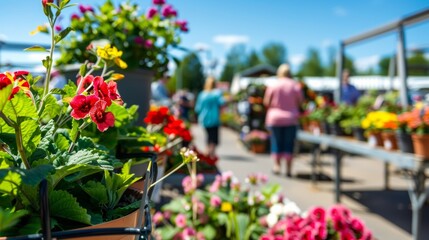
x=386, y=213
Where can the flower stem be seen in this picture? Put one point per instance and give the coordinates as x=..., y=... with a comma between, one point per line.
x=166, y=175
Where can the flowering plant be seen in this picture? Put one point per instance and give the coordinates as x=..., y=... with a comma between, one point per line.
x=415, y=121
x=256, y=136
x=224, y=210
x=335, y=223
x=144, y=38
x=380, y=120
x=43, y=138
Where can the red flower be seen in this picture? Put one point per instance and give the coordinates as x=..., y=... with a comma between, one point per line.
x=21, y=84
x=178, y=128
x=19, y=74
x=161, y=115
x=101, y=90
x=82, y=105
x=113, y=92
x=74, y=16
x=87, y=81
x=4, y=81
x=103, y=119
x=44, y=2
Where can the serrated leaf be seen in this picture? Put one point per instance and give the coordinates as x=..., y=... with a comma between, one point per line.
x=36, y=49
x=62, y=34
x=35, y=175
x=20, y=106
x=10, y=181
x=122, y=211
x=31, y=135
x=92, y=157
x=64, y=171
x=97, y=191
x=74, y=130
x=64, y=205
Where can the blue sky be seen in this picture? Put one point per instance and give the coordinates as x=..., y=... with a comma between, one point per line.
x=216, y=25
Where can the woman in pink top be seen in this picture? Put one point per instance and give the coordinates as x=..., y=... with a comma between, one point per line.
x=283, y=101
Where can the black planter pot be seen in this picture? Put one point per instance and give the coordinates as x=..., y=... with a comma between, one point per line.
x=325, y=127
x=335, y=129
x=359, y=133
x=405, y=142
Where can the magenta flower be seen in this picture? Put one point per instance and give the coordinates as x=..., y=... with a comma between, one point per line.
x=139, y=40
x=100, y=117
x=183, y=25
x=158, y=2
x=74, y=16
x=317, y=214
x=58, y=28
x=87, y=8
x=148, y=43
x=82, y=105
x=151, y=12
x=180, y=220
x=45, y=2
x=188, y=233
x=101, y=90
x=168, y=11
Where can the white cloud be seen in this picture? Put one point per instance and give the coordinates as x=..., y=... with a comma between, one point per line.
x=230, y=40
x=297, y=59
x=201, y=46
x=340, y=11
x=366, y=63
x=327, y=43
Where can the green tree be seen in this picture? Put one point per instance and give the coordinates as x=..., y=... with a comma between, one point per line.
x=418, y=64
x=190, y=73
x=253, y=59
x=383, y=65
x=331, y=67
x=312, y=66
x=274, y=54
x=236, y=60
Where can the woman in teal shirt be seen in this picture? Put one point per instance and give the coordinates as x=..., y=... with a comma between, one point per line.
x=207, y=107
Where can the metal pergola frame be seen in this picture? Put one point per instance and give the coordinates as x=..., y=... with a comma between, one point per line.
x=398, y=27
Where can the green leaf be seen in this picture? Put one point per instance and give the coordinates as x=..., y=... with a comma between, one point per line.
x=46, y=62
x=168, y=232
x=121, y=114
x=83, y=69
x=75, y=129
x=97, y=191
x=36, y=49
x=62, y=142
x=64, y=3
x=209, y=232
x=93, y=157
x=243, y=222
x=9, y=181
x=123, y=211
x=5, y=92
x=9, y=218
x=62, y=34
x=53, y=5
x=31, y=135
x=65, y=171
x=20, y=106
x=52, y=107
x=64, y=205
x=35, y=175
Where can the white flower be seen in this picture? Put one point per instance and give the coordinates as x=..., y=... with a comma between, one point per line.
x=275, y=199
x=276, y=209
x=290, y=208
x=272, y=219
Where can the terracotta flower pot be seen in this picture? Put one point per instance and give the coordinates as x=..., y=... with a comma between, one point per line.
x=389, y=140
x=375, y=139
x=257, y=147
x=421, y=144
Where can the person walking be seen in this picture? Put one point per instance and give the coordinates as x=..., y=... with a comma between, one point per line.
x=282, y=100
x=207, y=107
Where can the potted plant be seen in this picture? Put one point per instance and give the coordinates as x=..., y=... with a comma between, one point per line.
x=375, y=123
x=43, y=139
x=145, y=40
x=256, y=140
x=338, y=114
x=418, y=124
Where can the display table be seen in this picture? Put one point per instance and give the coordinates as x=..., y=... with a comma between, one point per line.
x=341, y=145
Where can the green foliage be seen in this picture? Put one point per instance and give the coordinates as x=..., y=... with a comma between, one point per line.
x=9, y=218
x=312, y=66
x=190, y=73
x=64, y=205
x=274, y=54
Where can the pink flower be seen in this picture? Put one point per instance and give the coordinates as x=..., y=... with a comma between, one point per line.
x=58, y=28
x=167, y=214
x=101, y=90
x=188, y=233
x=82, y=105
x=158, y=2
x=84, y=9
x=74, y=16
x=157, y=218
x=367, y=235
x=180, y=220
x=183, y=25
x=187, y=185
x=103, y=119
x=139, y=40
x=357, y=225
x=168, y=11
x=317, y=214
x=148, y=43
x=151, y=12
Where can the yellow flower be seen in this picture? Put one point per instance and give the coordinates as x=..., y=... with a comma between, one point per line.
x=116, y=76
x=226, y=207
x=109, y=53
x=40, y=28
x=120, y=63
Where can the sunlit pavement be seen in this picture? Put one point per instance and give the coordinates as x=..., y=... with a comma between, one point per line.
x=386, y=213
